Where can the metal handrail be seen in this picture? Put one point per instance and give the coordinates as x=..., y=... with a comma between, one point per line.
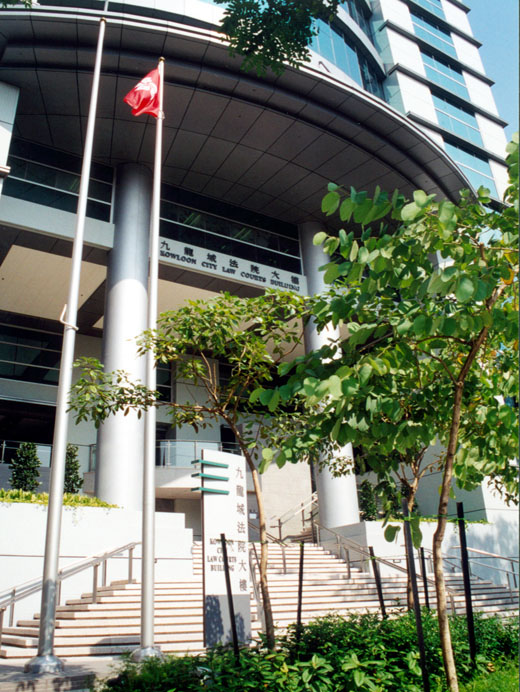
x=296, y=509
x=10, y=597
x=272, y=539
x=352, y=545
x=488, y=554
x=512, y=574
x=291, y=513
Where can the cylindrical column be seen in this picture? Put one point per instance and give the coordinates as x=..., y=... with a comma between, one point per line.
x=337, y=497
x=119, y=458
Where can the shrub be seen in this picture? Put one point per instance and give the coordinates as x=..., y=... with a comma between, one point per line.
x=73, y=480
x=25, y=468
x=333, y=654
x=43, y=499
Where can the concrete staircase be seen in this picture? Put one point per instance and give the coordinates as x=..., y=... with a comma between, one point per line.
x=111, y=625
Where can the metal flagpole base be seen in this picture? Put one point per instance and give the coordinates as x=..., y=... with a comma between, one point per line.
x=40, y=665
x=140, y=655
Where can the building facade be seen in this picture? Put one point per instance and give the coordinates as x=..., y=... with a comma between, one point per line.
x=394, y=95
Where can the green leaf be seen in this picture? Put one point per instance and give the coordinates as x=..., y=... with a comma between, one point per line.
x=364, y=373
x=274, y=400
x=416, y=531
x=448, y=273
x=391, y=532
x=449, y=326
x=363, y=254
x=319, y=238
x=346, y=209
x=334, y=433
x=334, y=386
x=255, y=394
x=410, y=212
x=330, y=203
x=446, y=212
x=331, y=274
x=420, y=198
x=265, y=396
x=465, y=289
x=353, y=251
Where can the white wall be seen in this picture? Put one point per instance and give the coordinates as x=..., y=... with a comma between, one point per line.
x=480, y=93
x=86, y=531
x=467, y=53
x=397, y=12
x=500, y=175
x=416, y=98
x=493, y=135
x=405, y=52
x=456, y=16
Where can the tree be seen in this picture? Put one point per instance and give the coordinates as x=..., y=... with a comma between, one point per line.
x=249, y=337
x=25, y=468
x=73, y=480
x=427, y=295
x=273, y=34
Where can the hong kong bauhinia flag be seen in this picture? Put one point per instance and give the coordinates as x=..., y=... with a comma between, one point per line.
x=144, y=97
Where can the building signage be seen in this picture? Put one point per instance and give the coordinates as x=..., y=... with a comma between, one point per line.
x=237, y=269
x=224, y=510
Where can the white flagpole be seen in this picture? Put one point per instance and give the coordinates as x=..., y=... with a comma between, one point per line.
x=45, y=661
x=147, y=648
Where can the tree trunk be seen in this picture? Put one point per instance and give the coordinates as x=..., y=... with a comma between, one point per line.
x=438, y=536
x=266, y=600
x=409, y=590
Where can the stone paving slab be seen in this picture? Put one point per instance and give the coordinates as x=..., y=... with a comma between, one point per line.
x=79, y=675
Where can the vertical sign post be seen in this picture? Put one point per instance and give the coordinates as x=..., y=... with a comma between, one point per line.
x=224, y=511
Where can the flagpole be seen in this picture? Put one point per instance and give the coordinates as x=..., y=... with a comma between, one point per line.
x=45, y=661
x=147, y=648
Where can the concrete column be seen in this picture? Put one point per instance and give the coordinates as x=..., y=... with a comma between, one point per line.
x=120, y=441
x=8, y=103
x=337, y=497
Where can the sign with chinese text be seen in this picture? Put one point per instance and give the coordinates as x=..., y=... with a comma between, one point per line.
x=237, y=269
x=224, y=510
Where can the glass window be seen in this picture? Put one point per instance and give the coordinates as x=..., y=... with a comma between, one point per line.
x=444, y=74
x=29, y=355
x=45, y=176
x=229, y=237
x=434, y=6
x=460, y=121
x=334, y=45
x=359, y=15
x=433, y=33
x=476, y=168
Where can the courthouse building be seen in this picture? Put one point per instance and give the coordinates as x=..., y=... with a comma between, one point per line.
x=395, y=95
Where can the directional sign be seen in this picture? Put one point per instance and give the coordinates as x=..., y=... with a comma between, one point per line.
x=222, y=483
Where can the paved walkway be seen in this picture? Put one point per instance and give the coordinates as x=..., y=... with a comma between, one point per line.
x=78, y=674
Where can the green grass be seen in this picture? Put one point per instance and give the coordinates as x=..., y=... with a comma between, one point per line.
x=505, y=679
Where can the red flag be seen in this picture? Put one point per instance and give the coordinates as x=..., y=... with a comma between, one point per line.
x=144, y=97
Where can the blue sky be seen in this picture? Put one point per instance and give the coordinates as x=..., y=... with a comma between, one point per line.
x=495, y=24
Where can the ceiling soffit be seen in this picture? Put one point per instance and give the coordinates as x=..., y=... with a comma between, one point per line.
x=269, y=145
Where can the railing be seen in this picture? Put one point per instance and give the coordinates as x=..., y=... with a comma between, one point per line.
x=8, y=449
x=272, y=539
x=512, y=574
x=293, y=512
x=10, y=597
x=347, y=545
x=180, y=453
